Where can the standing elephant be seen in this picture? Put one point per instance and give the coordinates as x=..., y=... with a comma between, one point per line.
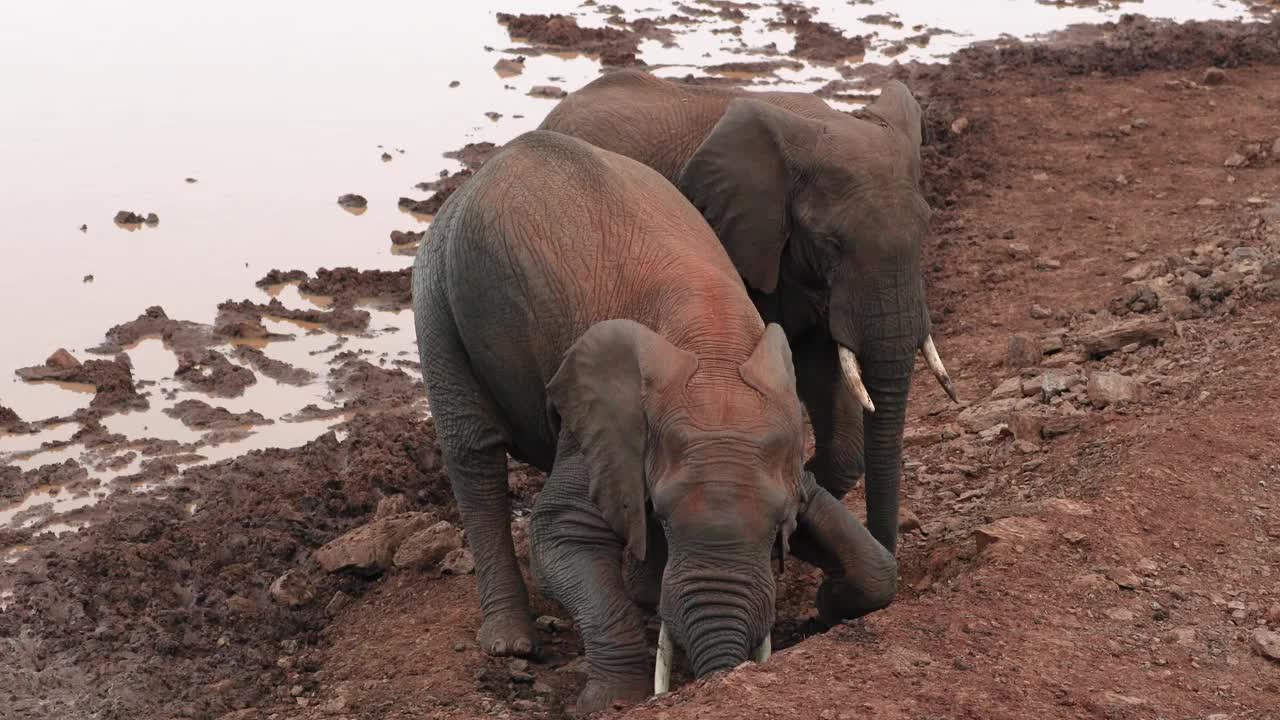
x=575, y=311
x=823, y=217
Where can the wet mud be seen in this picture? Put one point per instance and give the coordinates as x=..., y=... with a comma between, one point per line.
x=1044, y=568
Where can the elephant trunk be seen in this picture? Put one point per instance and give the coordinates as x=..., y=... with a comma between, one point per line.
x=888, y=383
x=720, y=618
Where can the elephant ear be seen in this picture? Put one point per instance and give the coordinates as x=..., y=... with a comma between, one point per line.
x=770, y=369
x=741, y=177
x=899, y=108
x=599, y=394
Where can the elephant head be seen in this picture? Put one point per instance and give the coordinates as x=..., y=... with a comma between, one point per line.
x=825, y=210
x=710, y=450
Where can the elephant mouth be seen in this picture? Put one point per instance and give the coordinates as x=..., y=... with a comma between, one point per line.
x=853, y=373
x=666, y=653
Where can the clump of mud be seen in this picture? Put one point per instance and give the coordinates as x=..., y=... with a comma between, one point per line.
x=817, y=41
x=199, y=415
x=277, y=370
x=154, y=323
x=11, y=423
x=112, y=380
x=212, y=373
x=341, y=318
x=615, y=47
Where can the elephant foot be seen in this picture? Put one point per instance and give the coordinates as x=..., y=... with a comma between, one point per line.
x=507, y=633
x=600, y=695
x=840, y=600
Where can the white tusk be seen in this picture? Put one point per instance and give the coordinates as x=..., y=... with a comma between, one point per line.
x=939, y=371
x=763, y=652
x=662, y=669
x=853, y=376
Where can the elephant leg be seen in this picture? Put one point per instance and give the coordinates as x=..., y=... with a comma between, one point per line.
x=860, y=575
x=474, y=444
x=577, y=560
x=834, y=412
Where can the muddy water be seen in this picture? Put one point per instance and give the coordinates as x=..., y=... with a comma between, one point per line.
x=274, y=113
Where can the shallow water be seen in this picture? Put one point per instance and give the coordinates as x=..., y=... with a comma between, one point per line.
x=275, y=112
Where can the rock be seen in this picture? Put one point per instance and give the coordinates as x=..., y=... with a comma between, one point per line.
x=1125, y=579
x=1120, y=614
x=508, y=67
x=1235, y=160
x=977, y=418
x=1012, y=531
x=370, y=549
x=1065, y=506
x=959, y=125
x=1266, y=643
x=339, y=601
x=1011, y=388
x=1026, y=447
x=406, y=237
x=1213, y=76
x=396, y=504
x=62, y=360
x=1028, y=425
x=1272, y=615
x=292, y=589
x=1024, y=351
x=458, y=562
x=1074, y=537
x=907, y=521
x=1040, y=312
x=428, y=548
x=1144, y=331
x=1143, y=270
x=549, y=623
x=1056, y=382
x=353, y=201
x=1182, y=636
x=1047, y=263
x=547, y=91
x=1019, y=251
x=1108, y=388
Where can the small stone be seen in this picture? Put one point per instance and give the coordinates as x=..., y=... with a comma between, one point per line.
x=1125, y=579
x=1182, y=636
x=521, y=676
x=428, y=548
x=1073, y=537
x=339, y=601
x=459, y=646
x=1108, y=339
x=550, y=623
x=1024, y=351
x=986, y=415
x=392, y=505
x=458, y=562
x=547, y=91
x=1272, y=615
x=1018, y=250
x=1010, y=531
x=292, y=589
x=1148, y=567
x=1235, y=160
x=1108, y=388
x=1120, y=614
x=524, y=705
x=1010, y=388
x=959, y=125
x=1266, y=643
x=541, y=688
x=1047, y=263
x=1026, y=447
x=518, y=665
x=369, y=549
x=353, y=201
x=907, y=521
x=1040, y=312
x=1213, y=76
x=62, y=360
x=1056, y=382
x=1142, y=270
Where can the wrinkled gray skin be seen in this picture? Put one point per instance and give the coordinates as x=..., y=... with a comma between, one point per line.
x=575, y=311
x=822, y=214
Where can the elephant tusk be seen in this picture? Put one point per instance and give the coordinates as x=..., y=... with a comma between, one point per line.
x=763, y=652
x=853, y=376
x=662, y=669
x=939, y=371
